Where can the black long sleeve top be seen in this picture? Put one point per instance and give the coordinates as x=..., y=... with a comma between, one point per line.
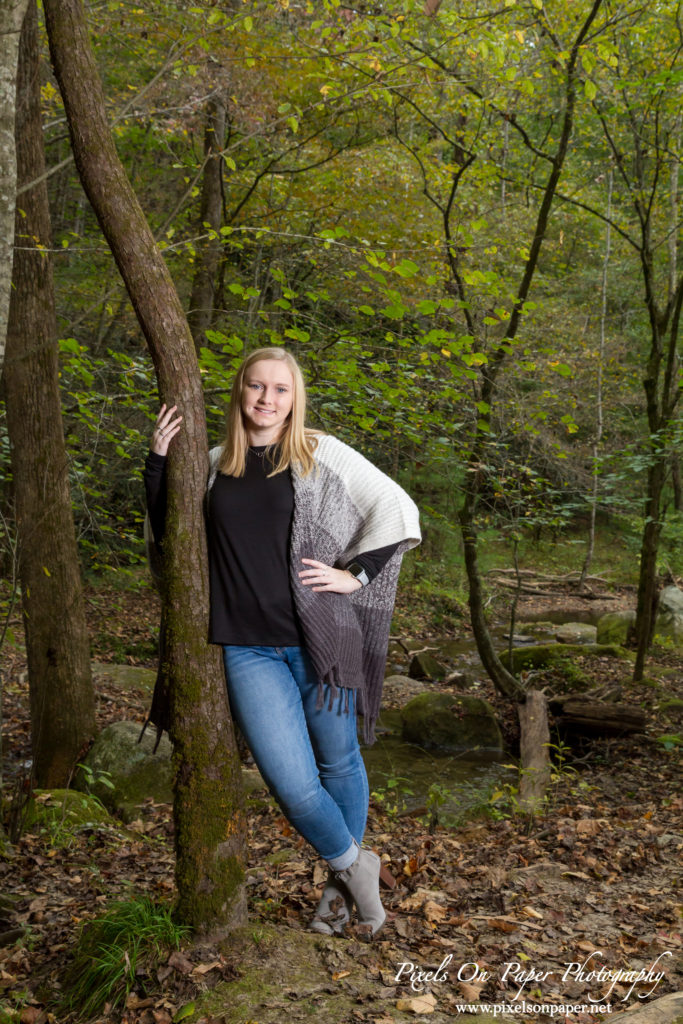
x=248, y=531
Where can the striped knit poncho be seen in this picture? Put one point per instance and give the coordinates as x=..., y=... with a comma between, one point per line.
x=342, y=508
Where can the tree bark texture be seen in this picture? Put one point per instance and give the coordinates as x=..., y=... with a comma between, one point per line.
x=210, y=217
x=210, y=824
x=11, y=18
x=57, y=644
x=535, y=756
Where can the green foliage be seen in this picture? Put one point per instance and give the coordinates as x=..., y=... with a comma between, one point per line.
x=381, y=178
x=116, y=951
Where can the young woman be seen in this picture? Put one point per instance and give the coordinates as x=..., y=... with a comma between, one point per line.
x=305, y=540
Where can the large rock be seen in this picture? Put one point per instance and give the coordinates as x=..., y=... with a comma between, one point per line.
x=133, y=770
x=561, y=657
x=63, y=812
x=666, y=1010
x=576, y=633
x=124, y=677
x=669, y=622
x=425, y=666
x=398, y=690
x=614, y=626
x=451, y=722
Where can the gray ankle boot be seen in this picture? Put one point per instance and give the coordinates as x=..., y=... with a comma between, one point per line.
x=362, y=883
x=334, y=908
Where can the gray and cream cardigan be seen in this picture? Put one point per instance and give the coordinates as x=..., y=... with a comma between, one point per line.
x=343, y=507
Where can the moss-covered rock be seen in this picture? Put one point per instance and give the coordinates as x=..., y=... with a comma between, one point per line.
x=669, y=623
x=124, y=677
x=561, y=657
x=451, y=722
x=425, y=666
x=64, y=810
x=614, y=626
x=672, y=707
x=576, y=633
x=133, y=771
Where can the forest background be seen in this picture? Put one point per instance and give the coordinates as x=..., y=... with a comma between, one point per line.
x=464, y=223
x=364, y=187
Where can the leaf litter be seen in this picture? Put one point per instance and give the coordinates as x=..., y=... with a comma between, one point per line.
x=594, y=881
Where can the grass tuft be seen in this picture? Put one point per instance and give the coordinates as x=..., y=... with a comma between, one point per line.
x=115, y=951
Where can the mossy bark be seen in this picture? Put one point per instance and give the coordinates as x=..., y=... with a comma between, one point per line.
x=208, y=804
x=57, y=644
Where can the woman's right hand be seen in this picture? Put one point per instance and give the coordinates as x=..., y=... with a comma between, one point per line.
x=165, y=430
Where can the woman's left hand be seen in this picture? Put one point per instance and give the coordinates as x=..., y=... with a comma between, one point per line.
x=324, y=577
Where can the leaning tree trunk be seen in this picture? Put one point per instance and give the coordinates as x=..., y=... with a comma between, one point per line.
x=11, y=18
x=210, y=825
x=57, y=643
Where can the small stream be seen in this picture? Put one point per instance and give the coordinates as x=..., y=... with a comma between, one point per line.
x=408, y=779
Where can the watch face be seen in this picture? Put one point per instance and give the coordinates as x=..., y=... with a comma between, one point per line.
x=359, y=572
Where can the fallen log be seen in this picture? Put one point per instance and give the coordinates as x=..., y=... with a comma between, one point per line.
x=596, y=718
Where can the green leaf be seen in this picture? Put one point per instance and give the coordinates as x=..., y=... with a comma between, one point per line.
x=406, y=268
x=188, y=1009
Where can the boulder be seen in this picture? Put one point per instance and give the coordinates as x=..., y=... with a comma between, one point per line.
x=665, y=1010
x=461, y=680
x=425, y=666
x=669, y=622
x=397, y=690
x=559, y=656
x=451, y=722
x=64, y=811
x=614, y=626
x=576, y=633
x=132, y=769
x=124, y=677
x=672, y=707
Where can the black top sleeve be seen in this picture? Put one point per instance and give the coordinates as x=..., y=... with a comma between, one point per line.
x=155, y=489
x=374, y=561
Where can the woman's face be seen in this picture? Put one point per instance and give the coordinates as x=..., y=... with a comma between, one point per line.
x=267, y=397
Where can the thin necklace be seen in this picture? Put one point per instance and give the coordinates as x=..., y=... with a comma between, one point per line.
x=259, y=455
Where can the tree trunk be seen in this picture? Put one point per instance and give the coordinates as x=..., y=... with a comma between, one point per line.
x=497, y=358
x=11, y=18
x=502, y=679
x=211, y=217
x=210, y=824
x=535, y=756
x=57, y=644
x=676, y=483
x=647, y=579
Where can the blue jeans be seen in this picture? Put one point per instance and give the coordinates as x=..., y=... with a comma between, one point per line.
x=310, y=759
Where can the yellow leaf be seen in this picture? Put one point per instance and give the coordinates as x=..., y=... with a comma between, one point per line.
x=418, y=1004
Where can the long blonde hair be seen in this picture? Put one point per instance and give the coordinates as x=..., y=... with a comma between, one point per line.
x=296, y=443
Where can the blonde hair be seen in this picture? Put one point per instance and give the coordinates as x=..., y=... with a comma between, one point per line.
x=295, y=445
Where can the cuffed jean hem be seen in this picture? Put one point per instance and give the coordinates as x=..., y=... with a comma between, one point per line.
x=309, y=757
